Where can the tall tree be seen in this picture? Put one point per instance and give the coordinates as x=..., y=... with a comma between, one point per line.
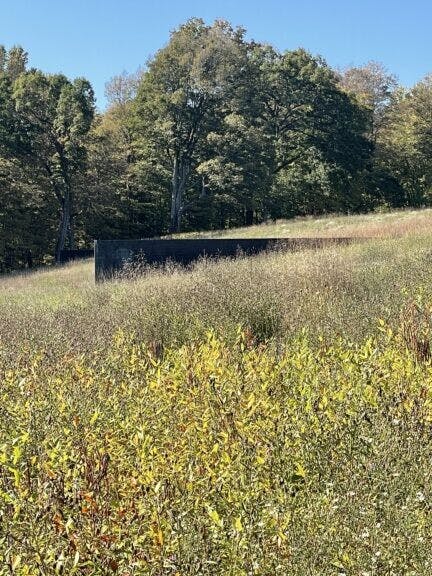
x=3, y=58
x=54, y=116
x=405, y=142
x=238, y=171
x=302, y=108
x=311, y=123
x=373, y=86
x=181, y=97
x=123, y=193
x=16, y=62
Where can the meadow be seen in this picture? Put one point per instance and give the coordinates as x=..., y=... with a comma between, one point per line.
x=264, y=415
x=382, y=224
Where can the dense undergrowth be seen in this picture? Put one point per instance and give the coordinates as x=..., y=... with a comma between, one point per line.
x=217, y=459
x=268, y=415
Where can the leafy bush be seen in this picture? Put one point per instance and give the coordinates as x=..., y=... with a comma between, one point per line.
x=216, y=458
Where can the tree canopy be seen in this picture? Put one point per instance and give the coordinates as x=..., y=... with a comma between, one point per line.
x=214, y=131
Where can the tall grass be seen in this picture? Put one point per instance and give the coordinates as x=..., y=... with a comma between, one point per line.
x=380, y=224
x=336, y=290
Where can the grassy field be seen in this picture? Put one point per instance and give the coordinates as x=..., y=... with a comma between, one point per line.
x=265, y=415
x=382, y=224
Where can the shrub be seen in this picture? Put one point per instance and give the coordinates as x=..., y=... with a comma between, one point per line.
x=216, y=458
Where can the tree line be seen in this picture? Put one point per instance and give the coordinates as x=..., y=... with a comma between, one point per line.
x=216, y=131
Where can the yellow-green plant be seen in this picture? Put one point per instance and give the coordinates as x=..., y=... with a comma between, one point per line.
x=218, y=458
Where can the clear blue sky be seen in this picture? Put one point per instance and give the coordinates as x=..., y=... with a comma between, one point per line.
x=100, y=38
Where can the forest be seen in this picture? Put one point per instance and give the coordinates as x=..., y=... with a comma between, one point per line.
x=214, y=131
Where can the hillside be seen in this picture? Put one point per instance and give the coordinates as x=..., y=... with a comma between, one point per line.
x=342, y=290
x=384, y=224
x=234, y=377
x=254, y=416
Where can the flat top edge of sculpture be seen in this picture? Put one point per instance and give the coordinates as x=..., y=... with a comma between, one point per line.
x=248, y=239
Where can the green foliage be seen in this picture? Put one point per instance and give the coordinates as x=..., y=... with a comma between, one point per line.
x=302, y=107
x=55, y=115
x=21, y=203
x=45, y=119
x=405, y=142
x=227, y=127
x=183, y=97
x=15, y=62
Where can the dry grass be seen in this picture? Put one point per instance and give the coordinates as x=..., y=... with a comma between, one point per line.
x=336, y=290
x=378, y=225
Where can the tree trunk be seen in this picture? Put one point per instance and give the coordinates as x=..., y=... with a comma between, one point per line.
x=174, y=224
x=248, y=217
x=71, y=227
x=179, y=179
x=64, y=227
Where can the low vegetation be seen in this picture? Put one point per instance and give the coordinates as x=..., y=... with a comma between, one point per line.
x=265, y=415
x=218, y=459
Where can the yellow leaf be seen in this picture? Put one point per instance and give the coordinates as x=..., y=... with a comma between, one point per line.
x=214, y=516
x=94, y=417
x=76, y=559
x=299, y=470
x=16, y=562
x=281, y=536
x=17, y=451
x=238, y=525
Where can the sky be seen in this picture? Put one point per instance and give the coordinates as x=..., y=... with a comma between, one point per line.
x=98, y=39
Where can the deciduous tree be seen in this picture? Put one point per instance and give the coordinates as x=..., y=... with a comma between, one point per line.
x=54, y=116
x=181, y=99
